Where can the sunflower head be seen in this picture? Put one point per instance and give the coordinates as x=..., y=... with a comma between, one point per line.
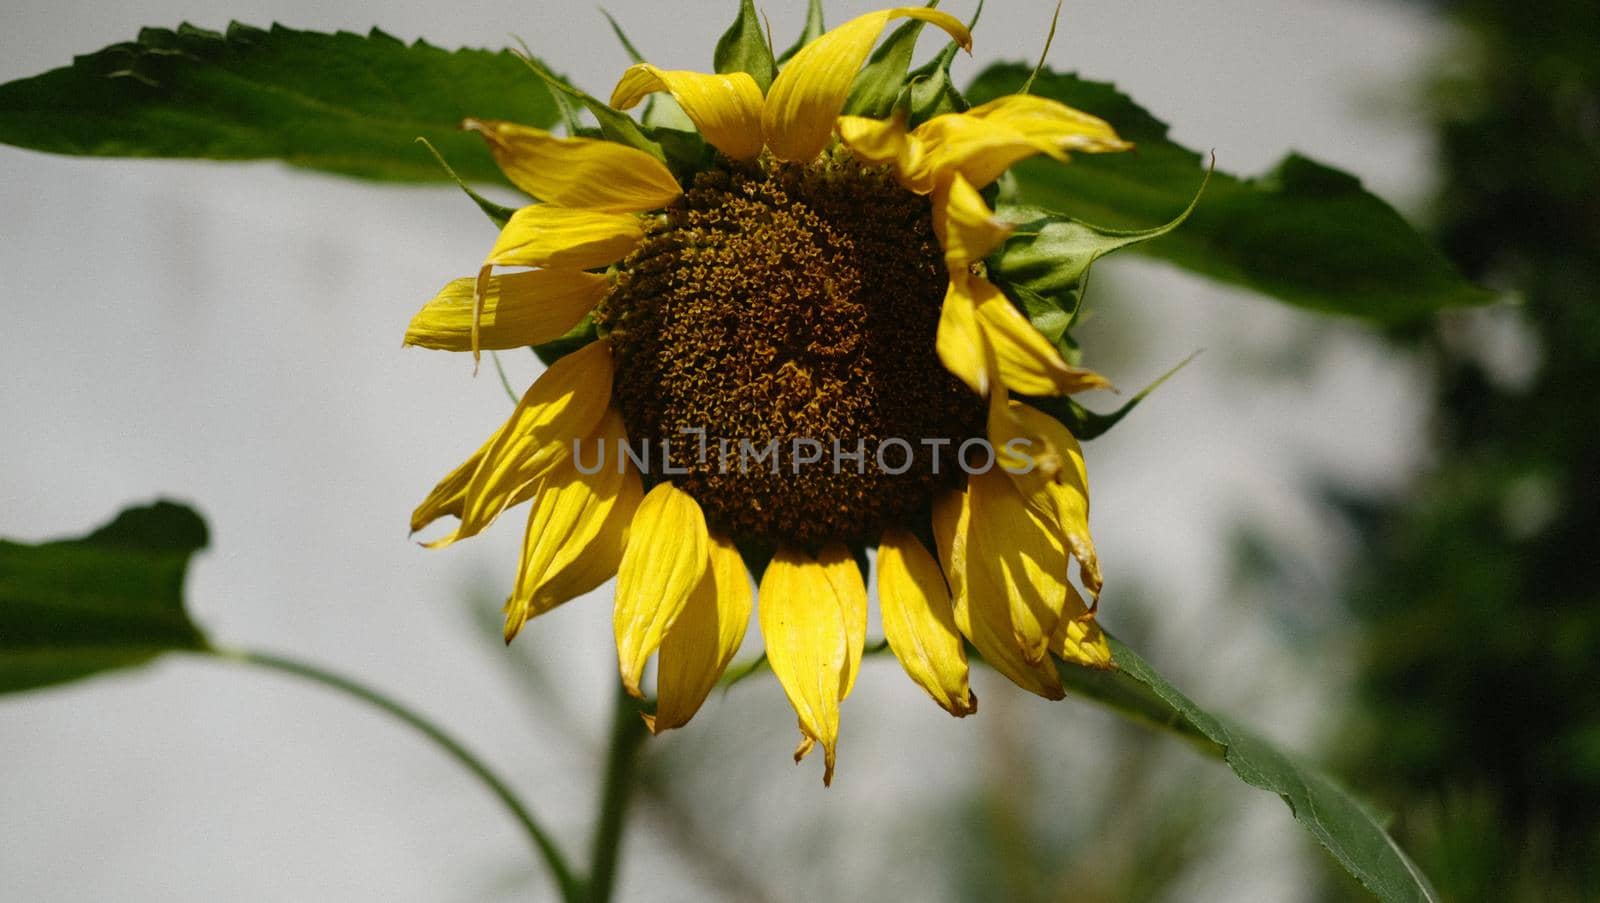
x=788, y=352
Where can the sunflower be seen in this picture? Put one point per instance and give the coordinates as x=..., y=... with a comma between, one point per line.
x=793, y=356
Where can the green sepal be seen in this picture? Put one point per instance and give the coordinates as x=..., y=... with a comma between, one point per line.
x=744, y=48
x=615, y=125
x=687, y=152
x=499, y=214
x=930, y=91
x=1047, y=258
x=659, y=111
x=74, y=608
x=881, y=80
x=813, y=29
x=578, y=336
x=1086, y=424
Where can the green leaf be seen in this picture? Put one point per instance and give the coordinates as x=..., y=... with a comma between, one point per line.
x=113, y=599
x=340, y=103
x=744, y=48
x=884, y=76
x=813, y=29
x=1303, y=233
x=1086, y=424
x=1346, y=828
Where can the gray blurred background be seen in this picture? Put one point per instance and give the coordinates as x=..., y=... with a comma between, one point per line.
x=229, y=336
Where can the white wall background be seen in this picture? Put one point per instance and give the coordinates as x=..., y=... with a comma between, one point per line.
x=229, y=335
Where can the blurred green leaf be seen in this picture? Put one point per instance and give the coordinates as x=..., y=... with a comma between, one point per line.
x=1347, y=829
x=341, y=103
x=114, y=599
x=1303, y=233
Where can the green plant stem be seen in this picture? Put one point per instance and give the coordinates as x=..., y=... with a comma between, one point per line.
x=571, y=889
x=627, y=734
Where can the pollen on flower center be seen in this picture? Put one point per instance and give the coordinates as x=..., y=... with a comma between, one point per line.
x=789, y=312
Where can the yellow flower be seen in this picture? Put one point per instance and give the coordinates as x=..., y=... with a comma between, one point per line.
x=798, y=296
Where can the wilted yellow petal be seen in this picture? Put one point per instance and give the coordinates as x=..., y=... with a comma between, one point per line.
x=582, y=173
x=704, y=639
x=880, y=142
x=544, y=235
x=806, y=98
x=661, y=567
x=1061, y=482
x=967, y=229
x=1078, y=638
x=919, y=623
x=563, y=404
x=518, y=309
x=959, y=342
x=982, y=612
x=985, y=141
x=1016, y=552
x=725, y=108
x=808, y=633
x=1028, y=363
x=570, y=513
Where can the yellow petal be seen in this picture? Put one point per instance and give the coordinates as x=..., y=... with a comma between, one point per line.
x=959, y=342
x=579, y=568
x=570, y=514
x=565, y=403
x=919, y=623
x=1063, y=481
x=517, y=309
x=967, y=228
x=882, y=142
x=725, y=108
x=985, y=141
x=705, y=638
x=544, y=235
x=806, y=98
x=583, y=173
x=1019, y=555
x=1028, y=363
x=663, y=563
x=839, y=566
x=808, y=637
x=981, y=610
x=1078, y=638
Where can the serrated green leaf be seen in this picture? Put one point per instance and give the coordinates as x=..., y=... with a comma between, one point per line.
x=1304, y=233
x=341, y=103
x=744, y=48
x=114, y=599
x=1347, y=829
x=813, y=29
x=881, y=80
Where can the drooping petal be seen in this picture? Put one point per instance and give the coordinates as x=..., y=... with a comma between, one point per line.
x=981, y=610
x=570, y=513
x=1078, y=638
x=985, y=141
x=544, y=235
x=968, y=230
x=881, y=142
x=578, y=568
x=1018, y=554
x=808, y=637
x=662, y=565
x=839, y=566
x=581, y=173
x=725, y=108
x=959, y=342
x=919, y=622
x=517, y=309
x=704, y=639
x=1061, y=481
x=805, y=100
x=563, y=404
x=1028, y=363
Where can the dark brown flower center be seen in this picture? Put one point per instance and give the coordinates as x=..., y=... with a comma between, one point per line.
x=775, y=334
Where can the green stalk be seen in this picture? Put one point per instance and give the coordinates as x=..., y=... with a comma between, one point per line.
x=570, y=887
x=627, y=734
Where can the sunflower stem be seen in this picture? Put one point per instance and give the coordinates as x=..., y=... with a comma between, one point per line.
x=627, y=735
x=571, y=889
